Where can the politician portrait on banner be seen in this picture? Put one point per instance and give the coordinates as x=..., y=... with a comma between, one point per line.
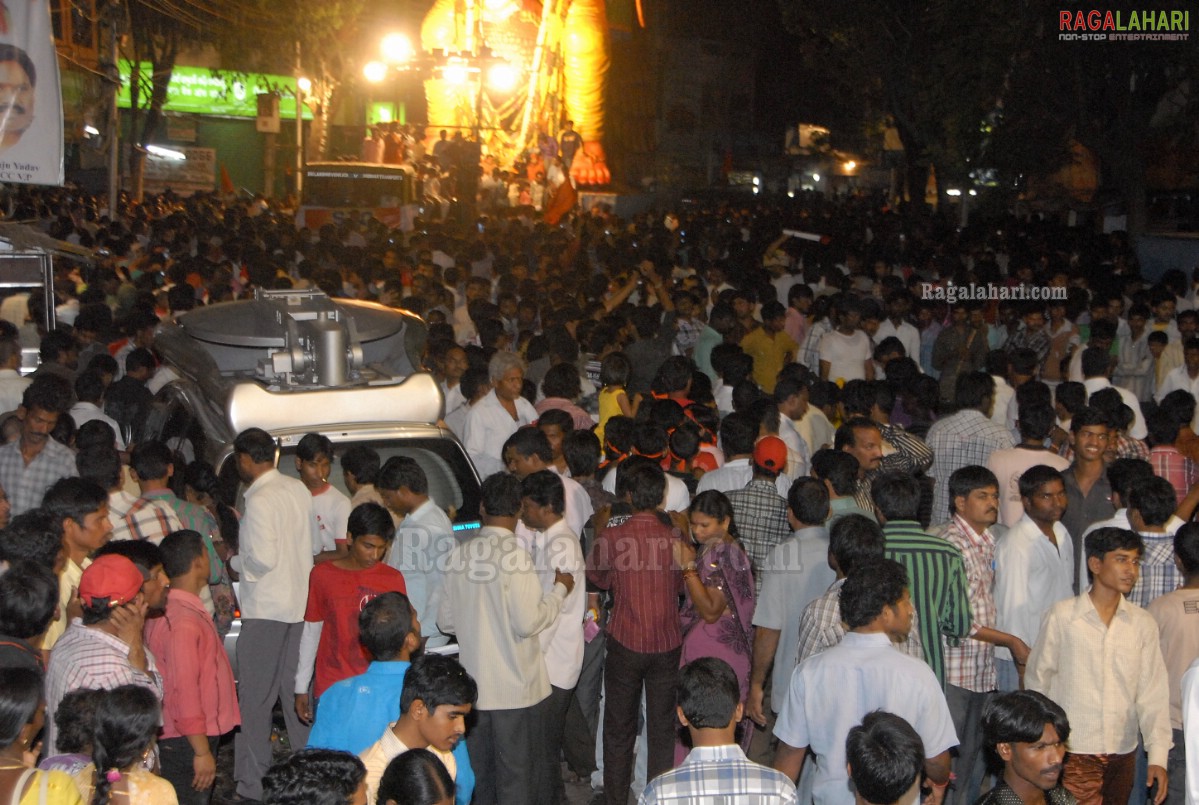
x=31, y=144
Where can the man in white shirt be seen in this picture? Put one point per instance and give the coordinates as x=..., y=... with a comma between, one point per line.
x=814, y=425
x=477, y=288
x=1095, y=368
x=528, y=451
x=1098, y=656
x=422, y=542
x=89, y=389
x=676, y=498
x=493, y=602
x=436, y=700
x=453, y=365
x=1123, y=474
x=831, y=692
x=738, y=434
x=491, y=420
x=846, y=352
x=330, y=506
x=792, y=395
x=1034, y=567
x=775, y=423
x=899, y=304
x=997, y=367
x=1185, y=377
x=12, y=385
x=1190, y=719
x=1103, y=335
x=274, y=560
x=553, y=545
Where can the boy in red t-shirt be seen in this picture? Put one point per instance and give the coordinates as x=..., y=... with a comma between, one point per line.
x=337, y=592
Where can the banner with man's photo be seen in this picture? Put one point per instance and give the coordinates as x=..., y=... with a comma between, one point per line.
x=31, y=143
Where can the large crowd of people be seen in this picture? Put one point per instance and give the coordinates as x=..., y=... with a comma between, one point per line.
x=766, y=517
x=454, y=167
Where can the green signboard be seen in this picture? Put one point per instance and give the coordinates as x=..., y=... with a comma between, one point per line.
x=198, y=90
x=386, y=112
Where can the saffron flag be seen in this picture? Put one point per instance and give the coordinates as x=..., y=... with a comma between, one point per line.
x=31, y=143
x=564, y=200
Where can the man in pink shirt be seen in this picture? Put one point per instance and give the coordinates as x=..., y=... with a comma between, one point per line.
x=199, y=701
x=799, y=302
x=1036, y=421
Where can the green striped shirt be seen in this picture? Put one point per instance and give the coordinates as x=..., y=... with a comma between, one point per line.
x=938, y=585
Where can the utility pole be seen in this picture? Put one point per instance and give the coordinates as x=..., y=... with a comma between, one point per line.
x=268, y=165
x=299, y=124
x=112, y=136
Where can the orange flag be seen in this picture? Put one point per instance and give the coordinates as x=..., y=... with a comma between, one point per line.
x=564, y=200
x=226, y=181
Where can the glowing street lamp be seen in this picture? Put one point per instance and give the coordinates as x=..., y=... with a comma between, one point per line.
x=397, y=48
x=375, y=71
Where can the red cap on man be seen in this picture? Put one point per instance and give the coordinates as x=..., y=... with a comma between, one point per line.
x=770, y=453
x=113, y=577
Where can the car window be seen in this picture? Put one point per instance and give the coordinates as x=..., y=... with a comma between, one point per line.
x=452, y=483
x=169, y=420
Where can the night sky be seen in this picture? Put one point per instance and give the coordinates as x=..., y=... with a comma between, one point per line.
x=781, y=96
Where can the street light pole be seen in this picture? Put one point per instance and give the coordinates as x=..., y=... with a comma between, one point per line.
x=299, y=125
x=114, y=119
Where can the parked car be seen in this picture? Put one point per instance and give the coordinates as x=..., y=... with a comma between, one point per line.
x=295, y=362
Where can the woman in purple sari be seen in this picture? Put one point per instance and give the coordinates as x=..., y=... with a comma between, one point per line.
x=718, y=613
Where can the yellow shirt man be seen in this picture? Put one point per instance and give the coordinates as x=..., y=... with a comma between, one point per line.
x=771, y=350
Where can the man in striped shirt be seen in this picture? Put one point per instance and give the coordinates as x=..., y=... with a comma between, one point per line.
x=935, y=568
x=874, y=399
x=965, y=438
x=152, y=516
x=970, y=663
x=716, y=769
x=853, y=541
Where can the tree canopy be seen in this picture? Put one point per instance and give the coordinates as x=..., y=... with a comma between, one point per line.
x=935, y=68
x=991, y=85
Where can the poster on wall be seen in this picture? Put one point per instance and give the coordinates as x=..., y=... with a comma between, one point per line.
x=31, y=144
x=182, y=170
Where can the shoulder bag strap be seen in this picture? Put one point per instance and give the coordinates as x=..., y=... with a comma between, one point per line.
x=19, y=788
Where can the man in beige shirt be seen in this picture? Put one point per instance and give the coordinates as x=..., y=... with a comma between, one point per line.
x=1177, y=616
x=81, y=509
x=494, y=603
x=1097, y=655
x=438, y=695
